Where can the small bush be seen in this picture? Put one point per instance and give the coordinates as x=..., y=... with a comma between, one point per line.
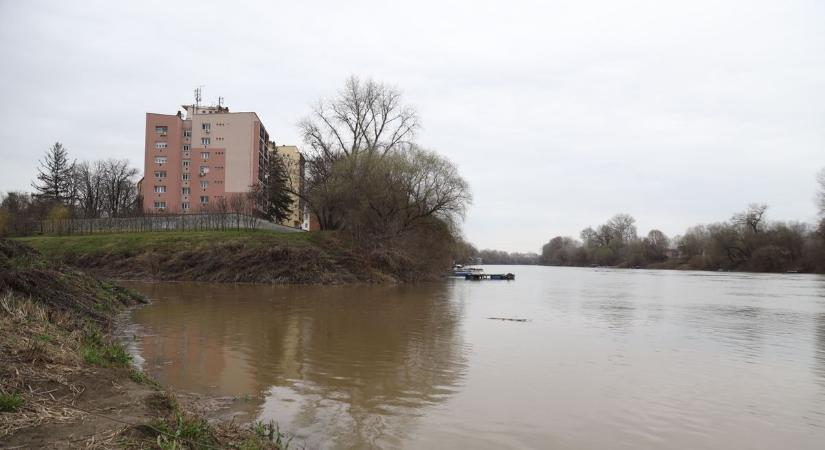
x=10, y=402
x=271, y=432
x=183, y=432
x=140, y=377
x=96, y=351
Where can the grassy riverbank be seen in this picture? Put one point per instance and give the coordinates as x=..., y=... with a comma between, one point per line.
x=66, y=383
x=222, y=256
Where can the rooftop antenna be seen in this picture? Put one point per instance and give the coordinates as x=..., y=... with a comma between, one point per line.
x=198, y=91
x=220, y=102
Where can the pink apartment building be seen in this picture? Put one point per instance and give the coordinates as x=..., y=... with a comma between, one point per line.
x=195, y=159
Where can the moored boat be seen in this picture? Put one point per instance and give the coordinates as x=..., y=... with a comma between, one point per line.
x=490, y=276
x=462, y=271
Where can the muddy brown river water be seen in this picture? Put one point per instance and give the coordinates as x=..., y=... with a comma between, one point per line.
x=606, y=359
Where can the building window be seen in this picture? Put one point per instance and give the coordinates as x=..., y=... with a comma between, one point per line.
x=204, y=184
x=184, y=206
x=160, y=174
x=186, y=147
x=160, y=189
x=204, y=199
x=186, y=191
x=186, y=163
x=160, y=205
x=185, y=177
x=206, y=127
x=205, y=141
x=204, y=170
x=160, y=160
x=204, y=155
x=161, y=145
x=161, y=130
x=187, y=133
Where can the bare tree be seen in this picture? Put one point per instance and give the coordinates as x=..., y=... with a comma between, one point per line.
x=366, y=120
x=656, y=245
x=751, y=219
x=820, y=194
x=365, y=175
x=89, y=183
x=693, y=242
x=433, y=187
x=366, y=116
x=590, y=237
x=622, y=228
x=118, y=186
x=239, y=205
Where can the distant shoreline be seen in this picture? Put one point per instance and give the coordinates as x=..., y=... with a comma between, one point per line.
x=677, y=266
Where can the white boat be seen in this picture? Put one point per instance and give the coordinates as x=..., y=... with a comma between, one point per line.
x=462, y=271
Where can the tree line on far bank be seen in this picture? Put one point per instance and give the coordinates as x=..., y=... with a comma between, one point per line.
x=467, y=253
x=769, y=247
x=748, y=241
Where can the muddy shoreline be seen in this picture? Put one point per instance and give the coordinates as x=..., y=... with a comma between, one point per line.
x=67, y=381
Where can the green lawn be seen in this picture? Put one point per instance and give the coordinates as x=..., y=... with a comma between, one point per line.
x=161, y=240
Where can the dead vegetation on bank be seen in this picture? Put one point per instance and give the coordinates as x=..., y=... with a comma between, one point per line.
x=65, y=383
x=245, y=256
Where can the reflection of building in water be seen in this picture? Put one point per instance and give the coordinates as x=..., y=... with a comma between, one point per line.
x=363, y=361
x=189, y=355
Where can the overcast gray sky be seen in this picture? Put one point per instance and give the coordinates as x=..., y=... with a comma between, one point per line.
x=559, y=114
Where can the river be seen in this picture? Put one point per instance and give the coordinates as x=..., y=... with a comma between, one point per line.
x=619, y=359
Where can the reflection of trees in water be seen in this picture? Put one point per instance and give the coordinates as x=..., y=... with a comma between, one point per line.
x=363, y=360
x=369, y=363
x=819, y=349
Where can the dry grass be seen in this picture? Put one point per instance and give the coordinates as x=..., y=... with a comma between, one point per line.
x=48, y=313
x=36, y=362
x=106, y=440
